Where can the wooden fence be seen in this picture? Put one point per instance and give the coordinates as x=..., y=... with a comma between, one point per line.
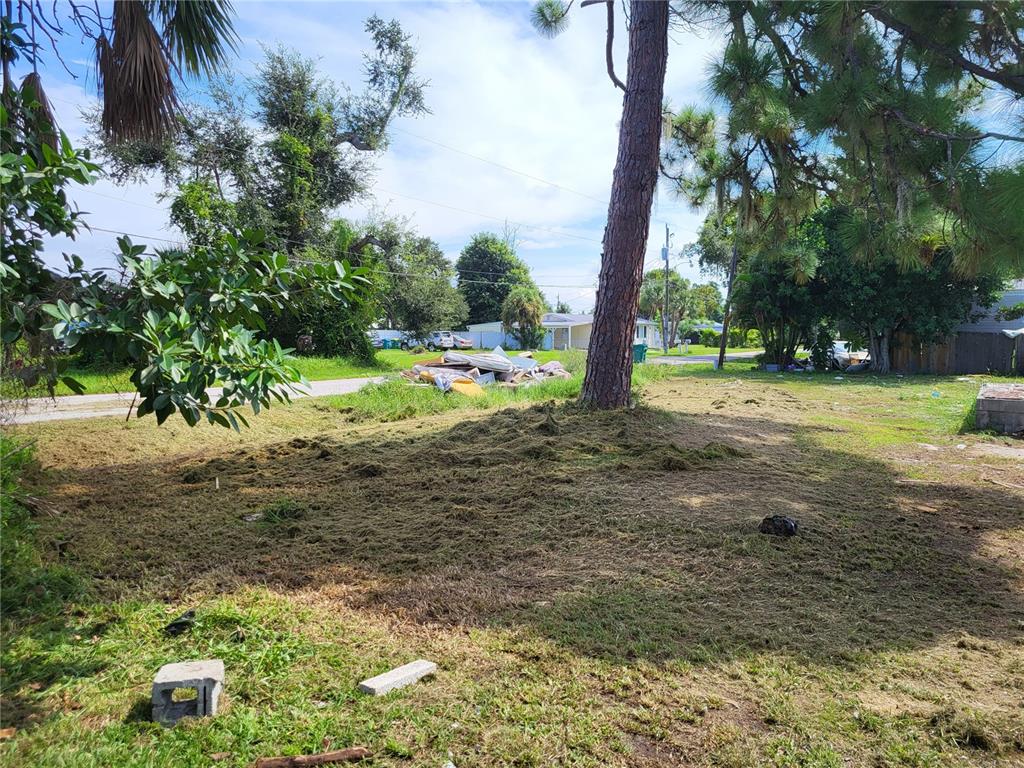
x=962, y=353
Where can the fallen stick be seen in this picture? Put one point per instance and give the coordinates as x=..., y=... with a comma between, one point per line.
x=1005, y=485
x=349, y=755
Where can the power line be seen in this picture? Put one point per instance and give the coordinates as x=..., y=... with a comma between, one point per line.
x=182, y=242
x=309, y=262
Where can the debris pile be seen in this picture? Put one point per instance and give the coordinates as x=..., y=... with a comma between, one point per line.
x=467, y=373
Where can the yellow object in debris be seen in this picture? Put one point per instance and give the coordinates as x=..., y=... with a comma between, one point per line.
x=470, y=388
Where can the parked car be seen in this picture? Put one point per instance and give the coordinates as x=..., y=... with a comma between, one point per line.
x=843, y=355
x=375, y=339
x=437, y=340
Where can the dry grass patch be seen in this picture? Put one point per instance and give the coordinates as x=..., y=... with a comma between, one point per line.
x=592, y=584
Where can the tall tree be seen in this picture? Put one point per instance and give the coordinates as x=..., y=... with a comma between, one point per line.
x=311, y=151
x=414, y=279
x=141, y=47
x=488, y=269
x=607, y=382
x=185, y=320
x=522, y=313
x=681, y=304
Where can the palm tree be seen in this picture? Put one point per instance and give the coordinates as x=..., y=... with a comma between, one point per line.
x=142, y=48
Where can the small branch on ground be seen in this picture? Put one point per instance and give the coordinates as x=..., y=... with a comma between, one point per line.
x=349, y=755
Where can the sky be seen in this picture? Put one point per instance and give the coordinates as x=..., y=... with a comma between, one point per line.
x=522, y=129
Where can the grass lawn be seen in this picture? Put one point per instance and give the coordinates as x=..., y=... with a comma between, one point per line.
x=592, y=585
x=98, y=380
x=700, y=349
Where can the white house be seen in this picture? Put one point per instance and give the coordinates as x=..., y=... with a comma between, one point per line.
x=573, y=331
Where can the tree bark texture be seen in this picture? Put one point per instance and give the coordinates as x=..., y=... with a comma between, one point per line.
x=878, y=348
x=610, y=358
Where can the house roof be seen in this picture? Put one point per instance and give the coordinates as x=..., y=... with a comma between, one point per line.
x=559, y=319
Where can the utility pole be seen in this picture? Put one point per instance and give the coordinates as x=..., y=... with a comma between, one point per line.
x=664, y=306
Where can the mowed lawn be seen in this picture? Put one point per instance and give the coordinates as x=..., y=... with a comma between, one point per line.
x=592, y=586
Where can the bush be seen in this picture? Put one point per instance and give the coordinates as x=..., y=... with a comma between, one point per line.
x=821, y=347
x=737, y=338
x=710, y=337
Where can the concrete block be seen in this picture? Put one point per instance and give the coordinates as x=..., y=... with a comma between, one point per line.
x=407, y=674
x=1000, y=407
x=205, y=677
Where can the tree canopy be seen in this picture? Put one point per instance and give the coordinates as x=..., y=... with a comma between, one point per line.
x=413, y=280
x=184, y=320
x=488, y=269
x=522, y=313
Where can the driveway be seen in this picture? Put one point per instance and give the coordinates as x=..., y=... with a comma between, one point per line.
x=89, y=406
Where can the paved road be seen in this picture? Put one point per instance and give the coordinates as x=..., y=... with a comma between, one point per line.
x=89, y=406
x=691, y=359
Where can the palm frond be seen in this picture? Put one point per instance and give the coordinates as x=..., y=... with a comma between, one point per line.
x=134, y=76
x=550, y=17
x=198, y=34
x=44, y=124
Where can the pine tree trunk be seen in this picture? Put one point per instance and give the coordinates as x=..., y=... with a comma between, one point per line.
x=610, y=358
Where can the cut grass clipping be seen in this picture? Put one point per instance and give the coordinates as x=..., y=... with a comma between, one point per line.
x=592, y=585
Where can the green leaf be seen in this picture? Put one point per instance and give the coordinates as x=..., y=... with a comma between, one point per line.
x=73, y=384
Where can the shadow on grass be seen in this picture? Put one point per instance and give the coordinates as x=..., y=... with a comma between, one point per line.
x=615, y=535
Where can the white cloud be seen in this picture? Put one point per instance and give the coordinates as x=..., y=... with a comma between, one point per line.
x=497, y=90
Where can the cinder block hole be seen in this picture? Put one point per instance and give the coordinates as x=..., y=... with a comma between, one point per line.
x=184, y=694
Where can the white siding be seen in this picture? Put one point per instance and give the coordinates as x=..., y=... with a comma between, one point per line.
x=988, y=323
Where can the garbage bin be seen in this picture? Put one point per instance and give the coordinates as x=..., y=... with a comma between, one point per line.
x=639, y=353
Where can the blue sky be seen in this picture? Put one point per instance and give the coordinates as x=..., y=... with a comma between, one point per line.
x=499, y=95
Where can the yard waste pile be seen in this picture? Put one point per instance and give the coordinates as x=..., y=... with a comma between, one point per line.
x=468, y=373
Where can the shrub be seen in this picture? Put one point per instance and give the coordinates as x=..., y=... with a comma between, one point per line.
x=737, y=337
x=710, y=337
x=821, y=347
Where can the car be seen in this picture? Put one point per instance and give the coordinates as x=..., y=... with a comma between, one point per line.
x=375, y=339
x=843, y=355
x=437, y=340
x=434, y=341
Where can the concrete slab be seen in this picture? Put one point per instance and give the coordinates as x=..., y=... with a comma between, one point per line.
x=400, y=677
x=206, y=677
x=1000, y=407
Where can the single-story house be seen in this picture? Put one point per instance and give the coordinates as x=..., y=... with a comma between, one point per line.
x=981, y=345
x=562, y=331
